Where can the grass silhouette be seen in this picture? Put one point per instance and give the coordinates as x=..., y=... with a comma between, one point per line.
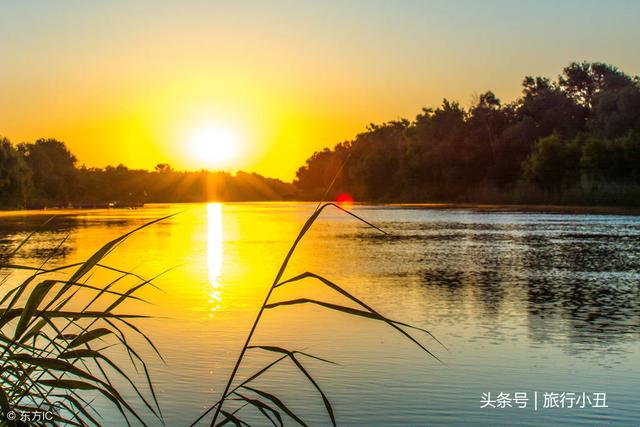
x=268, y=404
x=53, y=355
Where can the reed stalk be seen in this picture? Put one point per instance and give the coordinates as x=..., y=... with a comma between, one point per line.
x=272, y=410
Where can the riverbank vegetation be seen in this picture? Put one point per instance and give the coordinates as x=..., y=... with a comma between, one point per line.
x=266, y=402
x=62, y=333
x=60, y=337
x=46, y=174
x=574, y=140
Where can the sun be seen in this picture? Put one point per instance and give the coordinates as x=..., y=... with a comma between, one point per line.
x=213, y=146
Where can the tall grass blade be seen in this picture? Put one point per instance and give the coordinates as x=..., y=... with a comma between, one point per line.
x=306, y=226
x=302, y=369
x=353, y=311
x=353, y=298
x=368, y=312
x=263, y=408
x=278, y=403
x=45, y=367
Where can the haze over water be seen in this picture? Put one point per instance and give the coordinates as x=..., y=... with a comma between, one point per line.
x=524, y=302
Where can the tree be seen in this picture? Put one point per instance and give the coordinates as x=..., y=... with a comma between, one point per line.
x=551, y=108
x=163, y=168
x=604, y=159
x=323, y=169
x=53, y=169
x=15, y=177
x=582, y=81
x=631, y=148
x=374, y=169
x=486, y=122
x=584, y=124
x=615, y=112
x=553, y=164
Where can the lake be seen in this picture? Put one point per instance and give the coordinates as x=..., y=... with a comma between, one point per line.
x=525, y=302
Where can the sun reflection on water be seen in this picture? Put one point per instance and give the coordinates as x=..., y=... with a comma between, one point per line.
x=214, y=254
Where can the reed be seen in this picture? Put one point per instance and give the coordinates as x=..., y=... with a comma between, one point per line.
x=267, y=403
x=54, y=356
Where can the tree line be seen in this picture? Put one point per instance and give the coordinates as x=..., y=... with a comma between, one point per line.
x=45, y=174
x=572, y=140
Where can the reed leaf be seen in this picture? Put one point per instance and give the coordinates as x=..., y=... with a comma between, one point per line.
x=89, y=336
x=97, y=355
x=276, y=402
x=353, y=298
x=251, y=378
x=44, y=365
x=75, y=406
x=231, y=417
x=306, y=373
x=355, y=312
x=368, y=312
x=263, y=408
x=28, y=237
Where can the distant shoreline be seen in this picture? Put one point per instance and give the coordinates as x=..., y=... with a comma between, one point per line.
x=570, y=209
x=484, y=207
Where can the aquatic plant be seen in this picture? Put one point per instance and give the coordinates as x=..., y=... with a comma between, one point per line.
x=55, y=356
x=267, y=403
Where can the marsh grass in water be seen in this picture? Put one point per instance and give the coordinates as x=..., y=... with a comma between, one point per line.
x=243, y=395
x=54, y=352
x=55, y=356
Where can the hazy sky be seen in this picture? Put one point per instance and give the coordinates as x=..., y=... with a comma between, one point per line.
x=138, y=82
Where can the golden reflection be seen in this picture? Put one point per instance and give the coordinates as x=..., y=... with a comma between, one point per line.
x=214, y=254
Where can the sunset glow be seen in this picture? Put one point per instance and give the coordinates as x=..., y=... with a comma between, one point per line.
x=288, y=79
x=387, y=213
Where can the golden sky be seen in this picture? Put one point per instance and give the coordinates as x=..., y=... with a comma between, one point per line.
x=140, y=83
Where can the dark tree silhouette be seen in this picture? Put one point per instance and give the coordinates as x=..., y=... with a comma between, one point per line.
x=573, y=140
x=15, y=176
x=53, y=169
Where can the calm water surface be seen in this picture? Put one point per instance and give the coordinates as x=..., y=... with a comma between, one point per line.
x=525, y=302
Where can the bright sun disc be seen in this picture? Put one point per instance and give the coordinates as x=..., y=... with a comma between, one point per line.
x=213, y=146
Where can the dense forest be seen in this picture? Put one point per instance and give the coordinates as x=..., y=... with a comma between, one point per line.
x=45, y=174
x=575, y=140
